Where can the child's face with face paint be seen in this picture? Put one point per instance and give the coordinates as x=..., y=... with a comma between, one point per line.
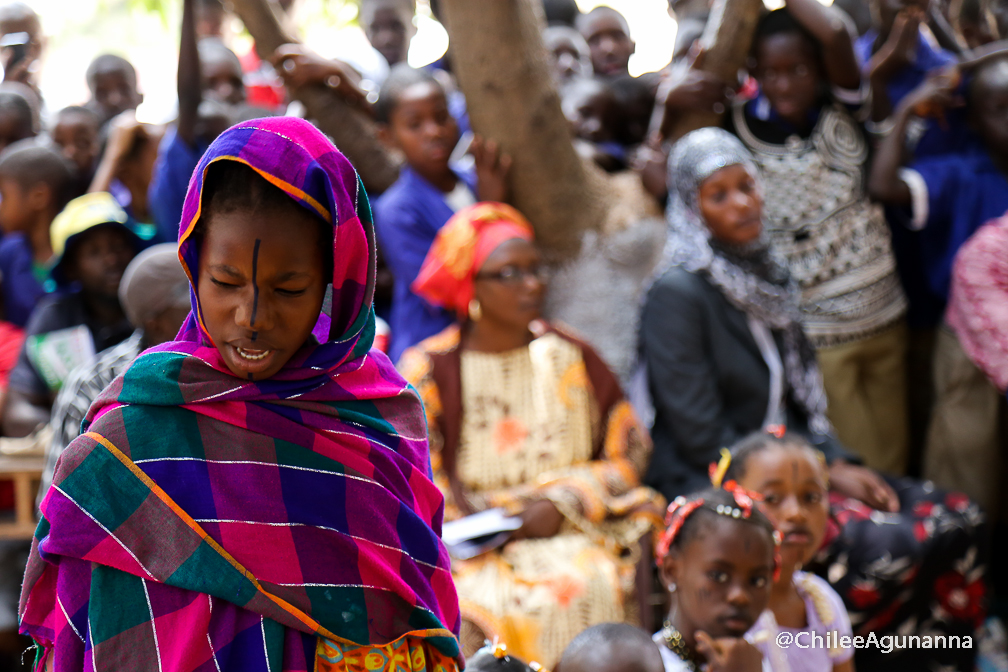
x=722, y=576
x=261, y=285
x=794, y=486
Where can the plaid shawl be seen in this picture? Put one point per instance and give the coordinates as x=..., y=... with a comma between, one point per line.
x=205, y=522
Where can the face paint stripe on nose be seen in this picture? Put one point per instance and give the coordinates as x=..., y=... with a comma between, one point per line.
x=255, y=285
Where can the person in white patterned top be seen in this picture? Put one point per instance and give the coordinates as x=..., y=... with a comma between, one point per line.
x=803, y=131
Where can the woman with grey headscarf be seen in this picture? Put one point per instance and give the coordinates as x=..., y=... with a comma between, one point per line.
x=725, y=356
x=721, y=331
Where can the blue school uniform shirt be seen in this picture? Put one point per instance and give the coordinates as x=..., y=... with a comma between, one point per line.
x=407, y=218
x=928, y=139
x=933, y=138
x=21, y=288
x=175, y=164
x=952, y=196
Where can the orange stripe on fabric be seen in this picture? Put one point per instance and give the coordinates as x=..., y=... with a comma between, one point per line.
x=163, y=496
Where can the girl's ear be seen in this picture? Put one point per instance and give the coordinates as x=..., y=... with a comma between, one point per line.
x=670, y=569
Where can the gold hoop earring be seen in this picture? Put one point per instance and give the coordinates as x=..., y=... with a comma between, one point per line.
x=475, y=310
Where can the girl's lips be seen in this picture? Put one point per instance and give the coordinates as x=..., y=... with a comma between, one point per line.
x=798, y=538
x=249, y=361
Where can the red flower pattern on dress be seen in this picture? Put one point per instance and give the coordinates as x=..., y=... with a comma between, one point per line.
x=509, y=435
x=961, y=598
x=863, y=596
x=957, y=501
x=923, y=509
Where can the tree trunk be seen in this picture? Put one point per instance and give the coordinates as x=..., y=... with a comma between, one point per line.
x=350, y=129
x=726, y=41
x=604, y=231
x=501, y=65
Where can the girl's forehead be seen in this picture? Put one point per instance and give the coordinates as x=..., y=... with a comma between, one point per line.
x=787, y=461
x=738, y=542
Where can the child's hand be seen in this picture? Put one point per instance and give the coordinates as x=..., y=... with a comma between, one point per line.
x=935, y=94
x=651, y=163
x=123, y=133
x=728, y=654
x=541, y=520
x=864, y=485
x=904, y=35
x=299, y=66
x=492, y=167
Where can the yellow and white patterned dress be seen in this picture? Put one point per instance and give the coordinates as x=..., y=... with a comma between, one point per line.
x=532, y=429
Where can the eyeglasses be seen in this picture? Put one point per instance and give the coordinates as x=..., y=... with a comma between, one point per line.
x=513, y=275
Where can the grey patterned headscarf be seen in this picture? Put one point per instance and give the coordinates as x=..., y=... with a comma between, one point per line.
x=749, y=276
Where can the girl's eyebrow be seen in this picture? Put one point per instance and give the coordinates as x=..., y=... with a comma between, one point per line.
x=227, y=270
x=290, y=275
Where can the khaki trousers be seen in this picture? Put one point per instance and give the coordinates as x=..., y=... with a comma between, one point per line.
x=963, y=441
x=865, y=385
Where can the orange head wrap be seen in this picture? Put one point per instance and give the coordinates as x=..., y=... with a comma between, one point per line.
x=448, y=275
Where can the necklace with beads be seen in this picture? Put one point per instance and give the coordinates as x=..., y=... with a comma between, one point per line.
x=674, y=642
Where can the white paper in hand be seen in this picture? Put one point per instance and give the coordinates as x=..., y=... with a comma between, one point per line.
x=470, y=536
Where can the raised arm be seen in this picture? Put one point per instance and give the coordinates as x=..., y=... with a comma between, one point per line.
x=190, y=86
x=931, y=98
x=830, y=27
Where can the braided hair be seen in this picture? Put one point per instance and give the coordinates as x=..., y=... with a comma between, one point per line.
x=686, y=515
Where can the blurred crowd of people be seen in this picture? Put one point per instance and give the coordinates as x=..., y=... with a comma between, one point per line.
x=823, y=344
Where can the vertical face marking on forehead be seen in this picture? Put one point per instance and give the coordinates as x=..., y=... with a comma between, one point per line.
x=255, y=285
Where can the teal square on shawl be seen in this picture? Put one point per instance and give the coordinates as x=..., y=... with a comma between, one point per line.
x=207, y=571
x=42, y=530
x=118, y=603
x=162, y=431
x=273, y=636
x=105, y=488
x=168, y=366
x=342, y=609
x=292, y=455
x=365, y=413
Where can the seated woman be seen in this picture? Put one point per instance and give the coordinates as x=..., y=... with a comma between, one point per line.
x=725, y=355
x=525, y=417
x=255, y=494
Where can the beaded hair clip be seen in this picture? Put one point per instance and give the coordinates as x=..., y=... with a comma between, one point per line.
x=680, y=509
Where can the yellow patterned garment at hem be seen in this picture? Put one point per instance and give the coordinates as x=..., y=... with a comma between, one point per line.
x=406, y=654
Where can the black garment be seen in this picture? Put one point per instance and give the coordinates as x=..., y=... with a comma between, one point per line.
x=53, y=313
x=708, y=380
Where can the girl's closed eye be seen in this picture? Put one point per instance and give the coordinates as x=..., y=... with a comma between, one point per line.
x=223, y=284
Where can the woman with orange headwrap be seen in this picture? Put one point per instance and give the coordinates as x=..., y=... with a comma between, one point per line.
x=525, y=417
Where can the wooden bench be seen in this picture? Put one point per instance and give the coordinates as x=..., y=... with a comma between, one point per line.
x=26, y=472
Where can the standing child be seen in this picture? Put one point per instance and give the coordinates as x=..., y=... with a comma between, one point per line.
x=93, y=245
x=17, y=121
x=34, y=182
x=76, y=135
x=813, y=154
x=946, y=199
x=282, y=462
x=608, y=36
x=792, y=480
x=112, y=81
x=718, y=559
x=413, y=114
